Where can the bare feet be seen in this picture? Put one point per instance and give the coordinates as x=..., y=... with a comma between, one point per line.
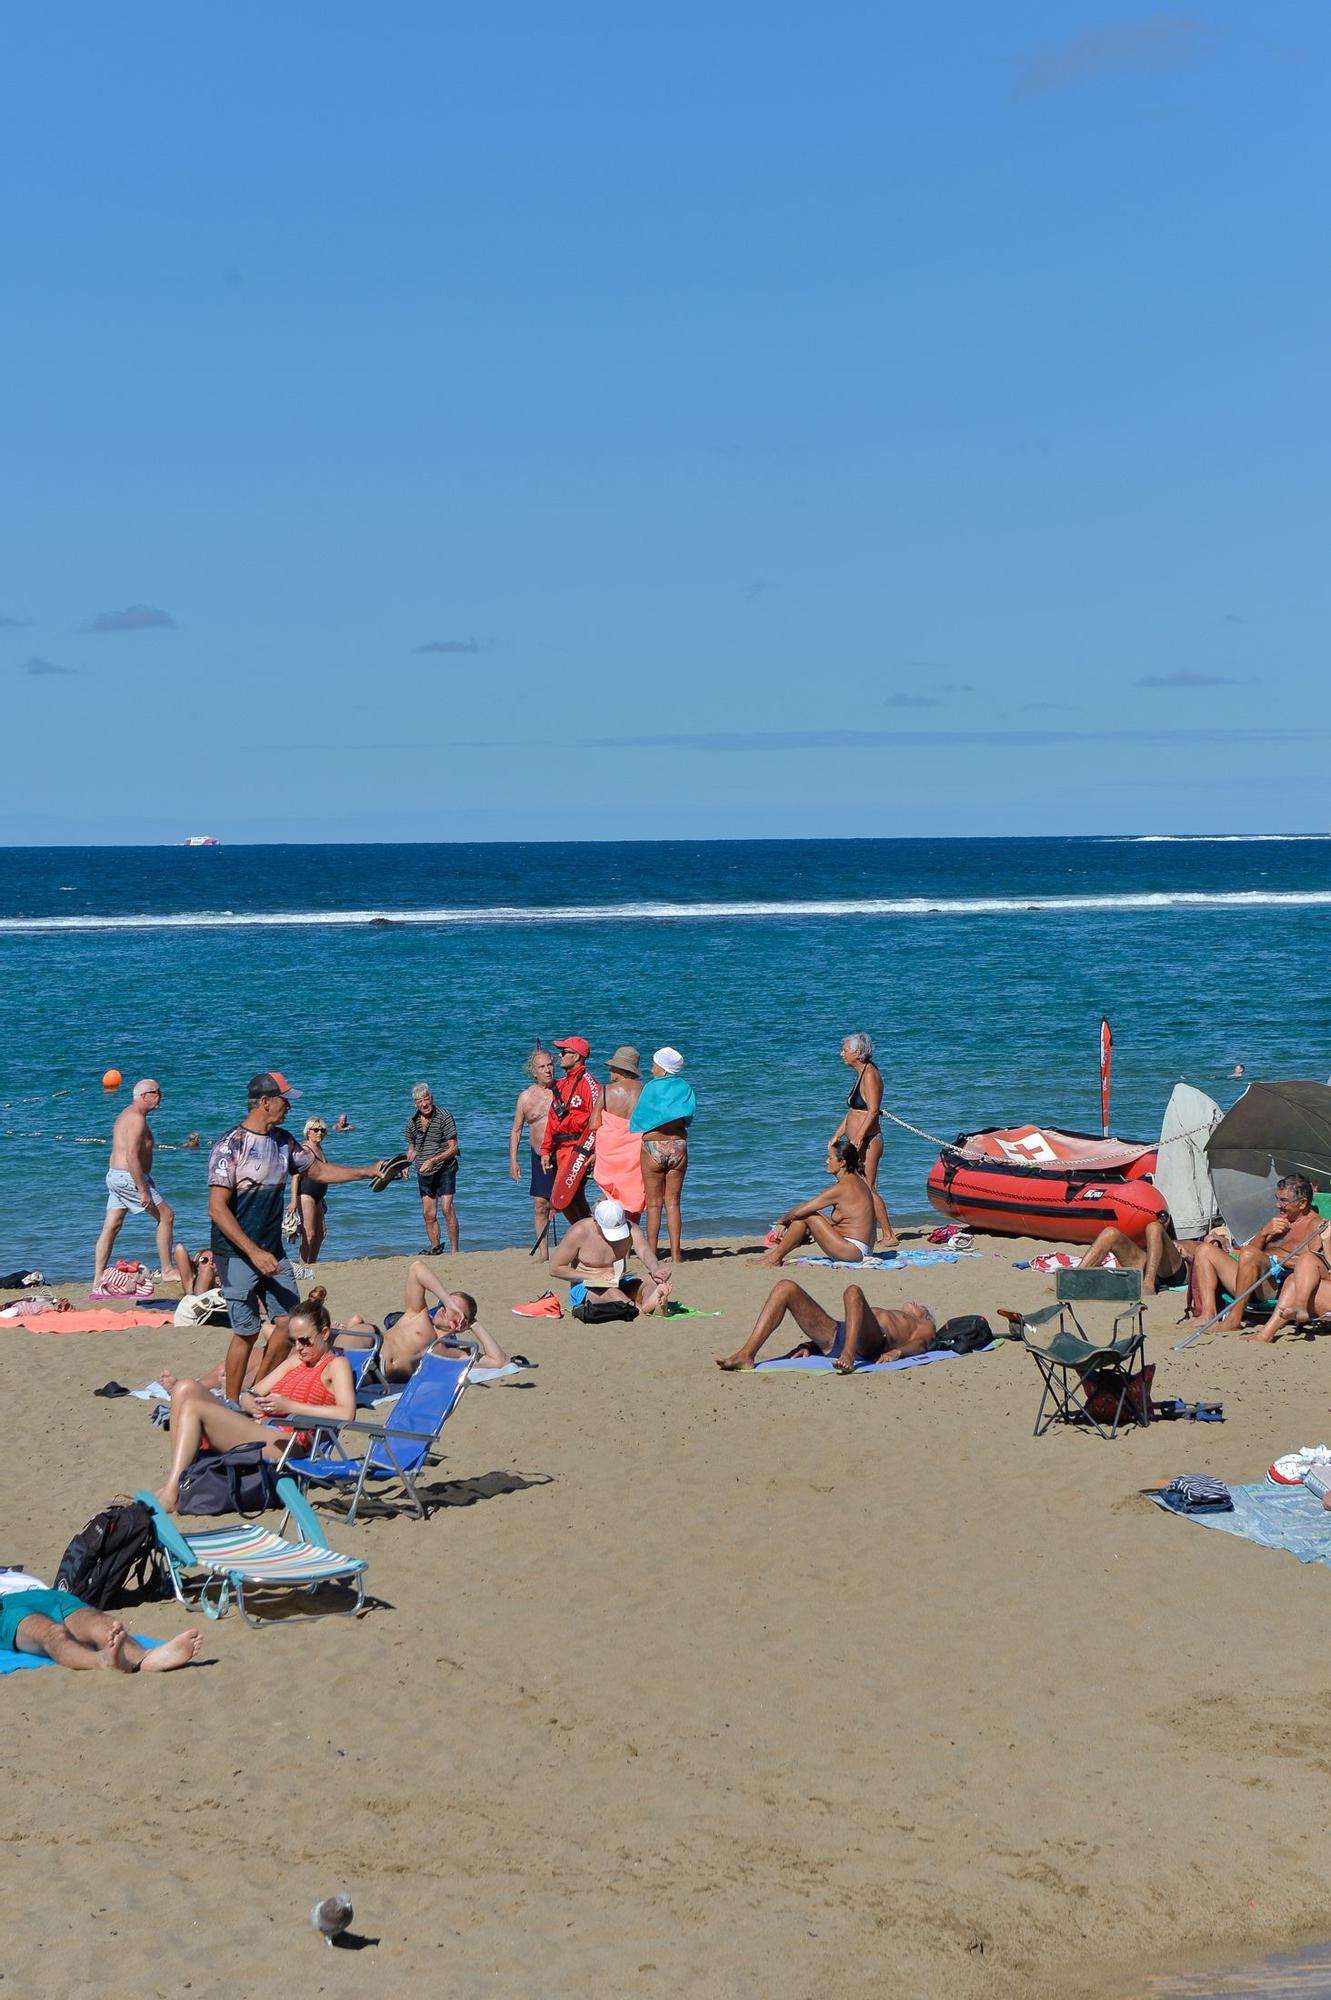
x=731, y=1362
x=1262, y=1334
x=167, y=1496
x=844, y=1364
x=178, y=1652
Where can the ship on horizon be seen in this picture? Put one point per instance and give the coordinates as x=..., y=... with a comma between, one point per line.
x=201, y=840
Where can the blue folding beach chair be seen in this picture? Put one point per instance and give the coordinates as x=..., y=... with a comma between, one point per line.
x=395, y=1450
x=216, y=1564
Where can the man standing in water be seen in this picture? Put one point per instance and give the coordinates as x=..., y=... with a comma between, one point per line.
x=532, y=1109
x=575, y=1100
x=129, y=1181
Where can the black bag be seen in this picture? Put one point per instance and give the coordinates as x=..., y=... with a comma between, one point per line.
x=115, y=1559
x=239, y=1481
x=597, y=1312
x=963, y=1335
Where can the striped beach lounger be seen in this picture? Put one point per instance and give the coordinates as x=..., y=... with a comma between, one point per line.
x=208, y=1567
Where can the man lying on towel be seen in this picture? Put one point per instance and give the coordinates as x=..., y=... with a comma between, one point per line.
x=61, y=1626
x=863, y=1333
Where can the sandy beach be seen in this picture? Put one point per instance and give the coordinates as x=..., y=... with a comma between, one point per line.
x=720, y=1685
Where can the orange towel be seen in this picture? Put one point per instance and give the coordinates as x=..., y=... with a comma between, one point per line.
x=618, y=1163
x=103, y=1321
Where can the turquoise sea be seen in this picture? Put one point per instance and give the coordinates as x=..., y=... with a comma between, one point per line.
x=981, y=967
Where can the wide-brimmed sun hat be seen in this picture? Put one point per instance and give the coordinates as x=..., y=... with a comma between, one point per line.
x=626, y=1061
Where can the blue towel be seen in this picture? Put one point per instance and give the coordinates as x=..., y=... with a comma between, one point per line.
x=17, y=1663
x=818, y=1364
x=892, y=1260
x=1274, y=1517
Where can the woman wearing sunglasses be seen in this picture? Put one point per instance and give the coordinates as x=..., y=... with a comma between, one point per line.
x=307, y=1206
x=312, y=1381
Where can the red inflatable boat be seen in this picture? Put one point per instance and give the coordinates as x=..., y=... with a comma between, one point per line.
x=1030, y=1180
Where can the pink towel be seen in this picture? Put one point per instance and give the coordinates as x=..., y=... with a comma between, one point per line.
x=105, y=1321
x=618, y=1164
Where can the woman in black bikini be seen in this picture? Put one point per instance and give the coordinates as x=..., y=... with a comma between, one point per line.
x=863, y=1124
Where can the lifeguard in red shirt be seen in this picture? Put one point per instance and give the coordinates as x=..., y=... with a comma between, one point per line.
x=568, y=1144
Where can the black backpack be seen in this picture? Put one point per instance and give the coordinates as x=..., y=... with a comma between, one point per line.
x=964, y=1335
x=599, y=1312
x=115, y=1559
x=239, y=1481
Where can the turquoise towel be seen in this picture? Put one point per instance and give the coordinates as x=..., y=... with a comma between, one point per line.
x=664, y=1100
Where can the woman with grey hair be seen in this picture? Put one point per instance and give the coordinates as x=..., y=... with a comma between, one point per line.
x=863, y=1123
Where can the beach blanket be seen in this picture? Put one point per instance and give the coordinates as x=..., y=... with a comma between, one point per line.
x=896, y=1260
x=101, y=1319
x=818, y=1364
x=17, y=1663
x=1274, y=1517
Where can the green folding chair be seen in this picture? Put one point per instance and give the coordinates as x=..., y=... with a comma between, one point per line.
x=1093, y=1384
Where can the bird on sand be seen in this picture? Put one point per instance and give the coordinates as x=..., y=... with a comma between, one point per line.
x=331, y=1917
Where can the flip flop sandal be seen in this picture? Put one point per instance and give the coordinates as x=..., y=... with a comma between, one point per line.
x=111, y=1389
x=392, y=1170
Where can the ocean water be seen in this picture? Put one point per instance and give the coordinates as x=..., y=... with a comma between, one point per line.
x=981, y=967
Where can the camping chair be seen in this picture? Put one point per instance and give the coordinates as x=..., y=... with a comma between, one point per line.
x=1082, y=1376
x=368, y=1377
x=224, y=1561
x=395, y=1450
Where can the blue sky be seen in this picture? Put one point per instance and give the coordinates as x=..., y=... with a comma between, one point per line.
x=610, y=420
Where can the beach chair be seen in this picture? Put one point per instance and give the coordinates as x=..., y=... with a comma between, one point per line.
x=215, y=1564
x=1087, y=1382
x=370, y=1381
x=396, y=1449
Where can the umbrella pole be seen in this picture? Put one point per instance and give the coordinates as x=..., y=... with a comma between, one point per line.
x=1216, y=1318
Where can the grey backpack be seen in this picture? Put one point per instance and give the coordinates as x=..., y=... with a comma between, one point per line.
x=239, y=1481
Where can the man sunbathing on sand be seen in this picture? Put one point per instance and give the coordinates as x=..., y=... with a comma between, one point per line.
x=594, y=1253
x=1162, y=1259
x=34, y=1619
x=863, y=1333
x=1290, y=1230
x=849, y=1234
x=414, y=1331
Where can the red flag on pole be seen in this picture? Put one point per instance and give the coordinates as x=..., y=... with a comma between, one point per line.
x=1106, y=1064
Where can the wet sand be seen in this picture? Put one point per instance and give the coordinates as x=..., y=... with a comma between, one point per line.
x=727, y=1685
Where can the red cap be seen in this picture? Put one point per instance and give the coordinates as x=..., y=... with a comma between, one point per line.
x=270, y=1083
x=578, y=1046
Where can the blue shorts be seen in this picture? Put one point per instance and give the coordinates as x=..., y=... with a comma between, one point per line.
x=443, y=1180
x=16, y=1605
x=577, y=1291
x=251, y=1298
x=542, y=1180
x=838, y=1341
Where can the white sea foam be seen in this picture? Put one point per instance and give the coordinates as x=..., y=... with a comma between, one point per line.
x=1204, y=839
x=643, y=912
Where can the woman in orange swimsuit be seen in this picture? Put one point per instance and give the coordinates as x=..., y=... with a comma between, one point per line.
x=317, y=1382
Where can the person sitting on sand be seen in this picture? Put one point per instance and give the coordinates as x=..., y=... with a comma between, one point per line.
x=414, y=1332
x=863, y=1333
x=1162, y=1259
x=35, y=1619
x=850, y=1233
x=317, y=1384
x=594, y=1253
x=1290, y=1230
x=1306, y=1292
x=203, y=1302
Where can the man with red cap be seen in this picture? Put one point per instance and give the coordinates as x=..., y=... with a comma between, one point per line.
x=577, y=1099
x=248, y=1170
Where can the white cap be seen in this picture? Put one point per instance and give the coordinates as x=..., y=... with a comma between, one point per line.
x=670, y=1060
x=610, y=1221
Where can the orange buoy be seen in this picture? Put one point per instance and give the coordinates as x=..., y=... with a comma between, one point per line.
x=112, y=1080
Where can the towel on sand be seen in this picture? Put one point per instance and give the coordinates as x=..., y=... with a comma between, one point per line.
x=1274, y=1517
x=892, y=1260
x=96, y=1320
x=818, y=1364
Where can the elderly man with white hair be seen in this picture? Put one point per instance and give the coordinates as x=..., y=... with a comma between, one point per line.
x=130, y=1191
x=662, y=1115
x=432, y=1148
